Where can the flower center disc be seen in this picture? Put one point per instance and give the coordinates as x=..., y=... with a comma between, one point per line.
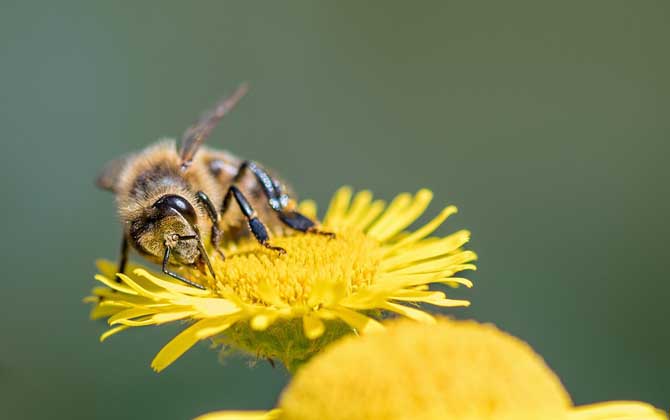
x=260, y=275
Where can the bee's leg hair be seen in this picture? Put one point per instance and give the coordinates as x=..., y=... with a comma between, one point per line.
x=278, y=200
x=215, y=237
x=166, y=259
x=255, y=225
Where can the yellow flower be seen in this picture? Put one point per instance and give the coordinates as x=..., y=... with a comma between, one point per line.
x=288, y=307
x=452, y=370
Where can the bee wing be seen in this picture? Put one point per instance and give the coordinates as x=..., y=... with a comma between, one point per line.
x=195, y=135
x=109, y=175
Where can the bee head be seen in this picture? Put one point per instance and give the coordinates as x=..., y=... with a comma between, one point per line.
x=170, y=222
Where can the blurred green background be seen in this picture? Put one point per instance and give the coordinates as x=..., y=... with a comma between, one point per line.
x=547, y=123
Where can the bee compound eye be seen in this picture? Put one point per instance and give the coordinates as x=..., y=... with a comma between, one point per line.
x=168, y=204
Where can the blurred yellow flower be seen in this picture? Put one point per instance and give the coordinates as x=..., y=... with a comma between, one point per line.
x=452, y=370
x=288, y=307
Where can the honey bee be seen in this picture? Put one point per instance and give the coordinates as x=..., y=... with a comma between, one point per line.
x=172, y=200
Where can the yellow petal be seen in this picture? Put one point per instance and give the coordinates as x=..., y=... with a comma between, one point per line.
x=375, y=209
x=419, y=204
x=424, y=231
x=396, y=280
x=308, y=208
x=359, y=207
x=224, y=324
x=442, y=264
x=110, y=296
x=130, y=314
x=313, y=326
x=210, y=307
x=156, y=319
x=185, y=340
x=617, y=410
x=104, y=311
x=171, y=286
x=391, y=282
x=457, y=268
x=394, y=210
x=162, y=318
x=262, y=321
x=412, y=313
x=412, y=295
x=138, y=289
x=110, y=332
x=448, y=303
x=338, y=206
x=457, y=281
x=120, y=287
x=433, y=250
x=357, y=320
x=326, y=293
x=241, y=415
x=106, y=268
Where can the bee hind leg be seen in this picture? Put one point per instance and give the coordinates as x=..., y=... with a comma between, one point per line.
x=255, y=225
x=298, y=221
x=278, y=200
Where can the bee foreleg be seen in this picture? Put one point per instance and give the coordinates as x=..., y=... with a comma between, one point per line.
x=255, y=225
x=166, y=260
x=215, y=236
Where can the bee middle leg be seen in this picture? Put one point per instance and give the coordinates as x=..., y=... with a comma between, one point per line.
x=278, y=200
x=255, y=225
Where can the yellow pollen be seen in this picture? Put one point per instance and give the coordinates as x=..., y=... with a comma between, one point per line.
x=350, y=260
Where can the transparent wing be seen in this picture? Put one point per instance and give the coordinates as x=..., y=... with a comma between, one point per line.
x=195, y=135
x=109, y=175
